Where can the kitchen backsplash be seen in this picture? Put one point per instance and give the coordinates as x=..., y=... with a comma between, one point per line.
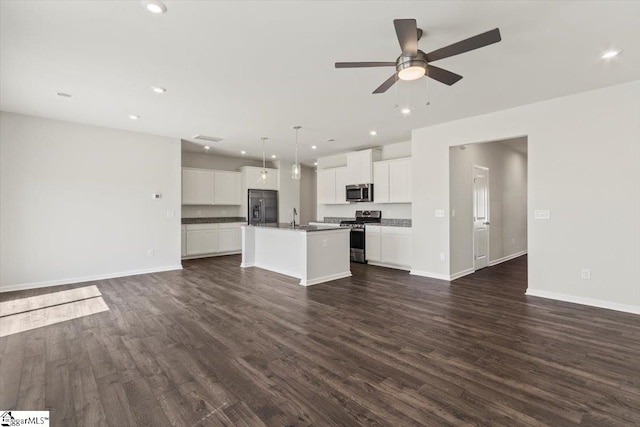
x=389, y=210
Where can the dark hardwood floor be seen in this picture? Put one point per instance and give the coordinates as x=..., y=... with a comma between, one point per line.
x=217, y=345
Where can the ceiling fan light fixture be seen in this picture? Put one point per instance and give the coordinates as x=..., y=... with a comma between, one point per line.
x=412, y=72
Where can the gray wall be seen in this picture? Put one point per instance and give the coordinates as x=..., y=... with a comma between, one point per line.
x=508, y=201
x=76, y=202
x=583, y=166
x=308, y=196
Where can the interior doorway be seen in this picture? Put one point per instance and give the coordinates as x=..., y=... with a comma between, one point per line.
x=488, y=204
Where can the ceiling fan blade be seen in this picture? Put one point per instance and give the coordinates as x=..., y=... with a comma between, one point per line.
x=475, y=42
x=443, y=76
x=387, y=84
x=407, y=32
x=364, y=64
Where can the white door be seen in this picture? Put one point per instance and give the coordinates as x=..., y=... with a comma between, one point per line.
x=480, y=217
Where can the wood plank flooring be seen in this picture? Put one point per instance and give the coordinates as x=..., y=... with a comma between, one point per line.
x=214, y=345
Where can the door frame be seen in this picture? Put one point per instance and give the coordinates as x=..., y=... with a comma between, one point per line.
x=473, y=226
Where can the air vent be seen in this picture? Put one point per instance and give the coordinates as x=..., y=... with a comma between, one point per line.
x=207, y=138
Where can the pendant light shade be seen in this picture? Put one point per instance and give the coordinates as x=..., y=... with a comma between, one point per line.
x=263, y=172
x=295, y=169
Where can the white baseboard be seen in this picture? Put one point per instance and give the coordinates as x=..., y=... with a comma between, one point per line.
x=429, y=274
x=247, y=264
x=326, y=278
x=211, y=255
x=507, y=258
x=72, y=280
x=635, y=309
x=278, y=270
x=462, y=273
x=382, y=264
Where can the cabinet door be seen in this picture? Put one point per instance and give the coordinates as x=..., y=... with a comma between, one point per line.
x=205, y=182
x=188, y=187
x=272, y=180
x=229, y=237
x=326, y=186
x=399, y=181
x=359, y=167
x=227, y=188
x=342, y=177
x=396, y=247
x=381, y=182
x=372, y=244
x=201, y=242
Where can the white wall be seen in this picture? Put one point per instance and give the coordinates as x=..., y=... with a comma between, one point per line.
x=583, y=165
x=508, y=202
x=212, y=161
x=308, y=195
x=389, y=210
x=76, y=202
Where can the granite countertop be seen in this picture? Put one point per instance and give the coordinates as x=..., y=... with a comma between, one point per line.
x=306, y=228
x=387, y=222
x=214, y=220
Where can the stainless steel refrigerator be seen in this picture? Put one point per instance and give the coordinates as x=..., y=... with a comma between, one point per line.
x=263, y=207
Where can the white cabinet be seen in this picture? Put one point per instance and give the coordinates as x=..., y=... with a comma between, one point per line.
x=372, y=244
x=202, y=239
x=197, y=187
x=359, y=165
x=392, y=181
x=229, y=237
x=228, y=188
x=253, y=178
x=342, y=177
x=211, y=239
x=389, y=246
x=326, y=186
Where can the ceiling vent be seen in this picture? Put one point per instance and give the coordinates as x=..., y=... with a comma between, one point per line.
x=207, y=138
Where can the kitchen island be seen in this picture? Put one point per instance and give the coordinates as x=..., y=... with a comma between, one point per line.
x=313, y=254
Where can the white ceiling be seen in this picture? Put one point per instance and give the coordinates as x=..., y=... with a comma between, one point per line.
x=240, y=70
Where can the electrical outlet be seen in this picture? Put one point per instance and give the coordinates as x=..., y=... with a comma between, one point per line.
x=542, y=214
x=151, y=252
x=439, y=213
x=171, y=214
x=585, y=273
x=443, y=256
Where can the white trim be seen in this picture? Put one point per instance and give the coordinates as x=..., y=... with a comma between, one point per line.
x=429, y=274
x=635, y=309
x=277, y=270
x=382, y=264
x=69, y=281
x=211, y=255
x=324, y=279
x=507, y=258
x=462, y=273
x=247, y=264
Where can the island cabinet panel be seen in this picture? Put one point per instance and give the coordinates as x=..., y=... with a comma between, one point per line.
x=197, y=187
x=202, y=239
x=228, y=188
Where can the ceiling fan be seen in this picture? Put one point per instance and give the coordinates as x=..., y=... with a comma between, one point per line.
x=414, y=63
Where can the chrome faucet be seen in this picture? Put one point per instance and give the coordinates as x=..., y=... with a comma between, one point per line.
x=293, y=221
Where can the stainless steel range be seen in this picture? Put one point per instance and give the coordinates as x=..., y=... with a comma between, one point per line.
x=358, y=234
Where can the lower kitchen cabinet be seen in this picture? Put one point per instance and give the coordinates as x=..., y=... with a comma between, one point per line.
x=389, y=246
x=211, y=239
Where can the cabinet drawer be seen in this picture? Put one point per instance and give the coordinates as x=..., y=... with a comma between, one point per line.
x=191, y=227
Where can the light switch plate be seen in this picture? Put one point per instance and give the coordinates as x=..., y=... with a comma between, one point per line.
x=542, y=214
x=439, y=213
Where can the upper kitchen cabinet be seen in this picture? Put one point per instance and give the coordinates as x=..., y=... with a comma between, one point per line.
x=197, y=187
x=360, y=166
x=392, y=181
x=253, y=178
x=228, y=188
x=331, y=186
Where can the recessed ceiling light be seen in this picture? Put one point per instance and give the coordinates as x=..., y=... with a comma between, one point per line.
x=273, y=156
x=64, y=94
x=313, y=147
x=406, y=111
x=154, y=6
x=134, y=116
x=315, y=163
x=206, y=147
x=158, y=89
x=243, y=152
x=373, y=133
x=610, y=54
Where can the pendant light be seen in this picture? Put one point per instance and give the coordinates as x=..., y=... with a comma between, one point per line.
x=263, y=172
x=295, y=169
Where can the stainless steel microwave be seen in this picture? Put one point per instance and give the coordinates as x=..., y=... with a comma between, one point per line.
x=360, y=193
